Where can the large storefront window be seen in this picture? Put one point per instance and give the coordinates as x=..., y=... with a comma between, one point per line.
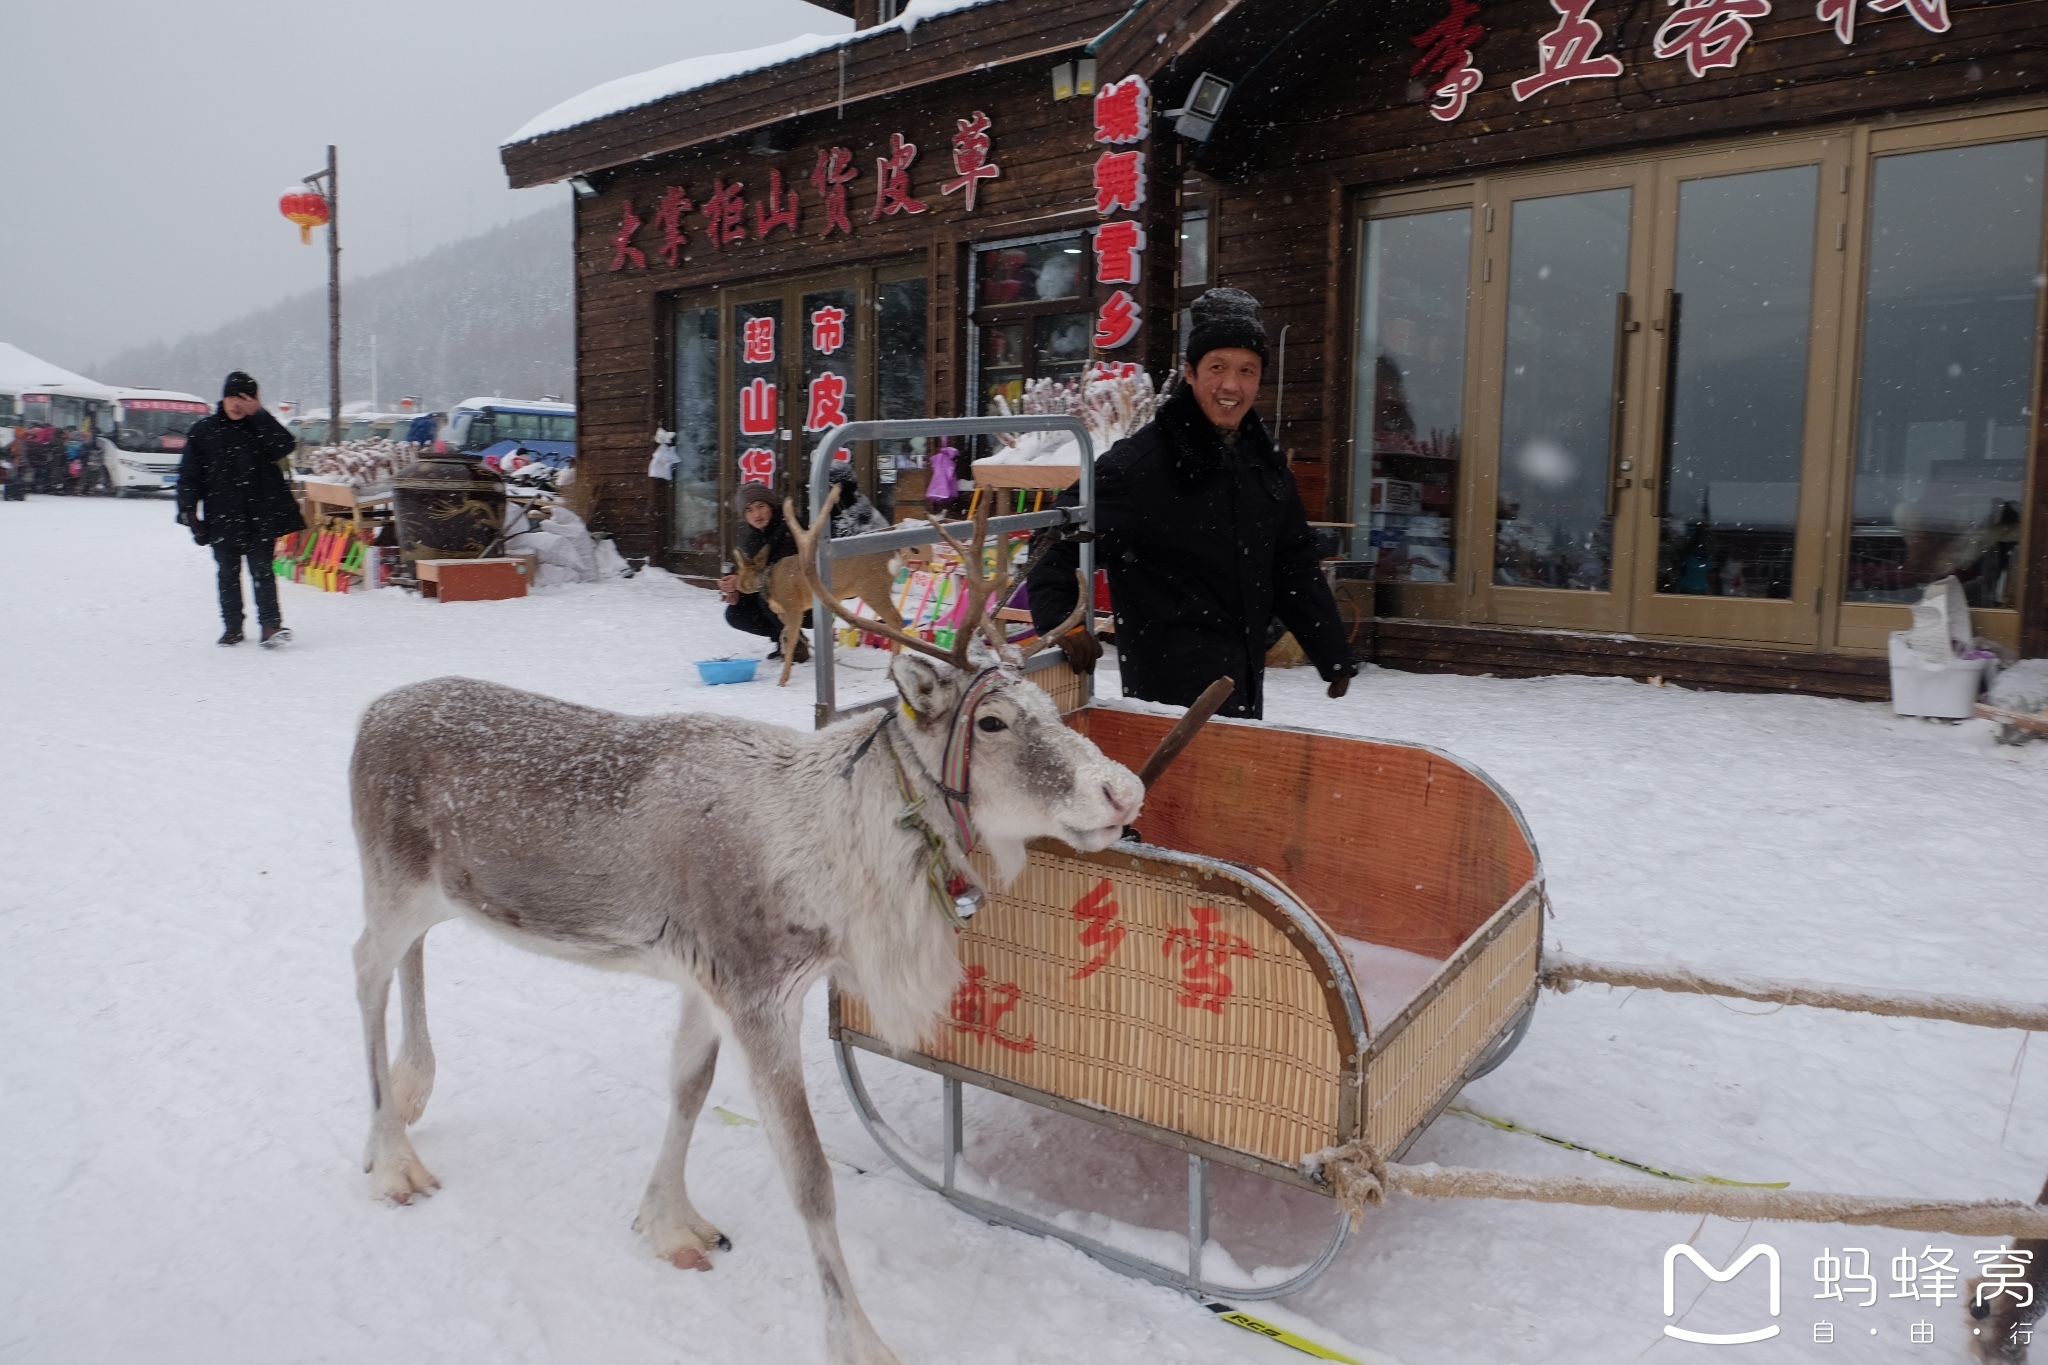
x=1033, y=317
x=696, y=473
x=1946, y=401
x=1760, y=393
x=1411, y=357
x=764, y=369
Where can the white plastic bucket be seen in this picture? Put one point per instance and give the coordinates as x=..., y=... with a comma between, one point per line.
x=1928, y=687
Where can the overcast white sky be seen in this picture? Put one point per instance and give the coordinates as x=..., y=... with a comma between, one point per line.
x=147, y=141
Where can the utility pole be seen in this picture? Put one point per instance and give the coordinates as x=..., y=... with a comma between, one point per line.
x=329, y=182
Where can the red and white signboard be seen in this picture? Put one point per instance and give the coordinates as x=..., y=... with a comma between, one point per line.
x=1123, y=115
x=157, y=405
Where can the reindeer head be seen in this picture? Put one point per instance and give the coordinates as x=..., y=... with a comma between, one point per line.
x=1026, y=774
x=751, y=570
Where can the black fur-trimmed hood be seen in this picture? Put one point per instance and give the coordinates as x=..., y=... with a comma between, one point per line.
x=1194, y=448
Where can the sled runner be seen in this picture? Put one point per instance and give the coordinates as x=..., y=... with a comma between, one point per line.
x=1315, y=939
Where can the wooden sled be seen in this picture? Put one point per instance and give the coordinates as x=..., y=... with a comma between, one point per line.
x=1218, y=987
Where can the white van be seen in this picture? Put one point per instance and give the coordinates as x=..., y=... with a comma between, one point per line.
x=149, y=438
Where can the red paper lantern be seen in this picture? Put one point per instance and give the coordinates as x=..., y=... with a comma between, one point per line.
x=305, y=206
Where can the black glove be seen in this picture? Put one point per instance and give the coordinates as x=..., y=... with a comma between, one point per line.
x=1340, y=680
x=1083, y=650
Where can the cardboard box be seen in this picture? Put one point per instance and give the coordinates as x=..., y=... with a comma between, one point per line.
x=1396, y=495
x=475, y=580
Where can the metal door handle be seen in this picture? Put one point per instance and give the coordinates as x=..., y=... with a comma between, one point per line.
x=1618, y=400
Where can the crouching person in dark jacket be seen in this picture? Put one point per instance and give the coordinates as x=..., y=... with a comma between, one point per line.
x=764, y=525
x=232, y=493
x=1203, y=535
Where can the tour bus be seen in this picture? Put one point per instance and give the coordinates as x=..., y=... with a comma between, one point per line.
x=34, y=393
x=149, y=438
x=498, y=426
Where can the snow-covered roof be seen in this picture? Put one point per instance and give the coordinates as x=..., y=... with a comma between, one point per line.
x=694, y=73
x=528, y=404
x=21, y=372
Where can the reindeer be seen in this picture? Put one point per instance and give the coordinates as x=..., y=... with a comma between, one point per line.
x=740, y=860
x=871, y=578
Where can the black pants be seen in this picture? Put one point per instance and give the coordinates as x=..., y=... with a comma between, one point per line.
x=262, y=578
x=751, y=615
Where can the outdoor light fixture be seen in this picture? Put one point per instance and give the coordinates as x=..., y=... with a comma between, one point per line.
x=1063, y=82
x=1197, y=118
x=1084, y=77
x=581, y=184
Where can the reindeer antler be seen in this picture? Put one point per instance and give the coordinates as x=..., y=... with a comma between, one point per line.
x=981, y=590
x=807, y=560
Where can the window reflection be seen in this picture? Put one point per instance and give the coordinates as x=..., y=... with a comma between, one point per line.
x=1948, y=349
x=696, y=424
x=1737, y=324
x=1568, y=265
x=1411, y=393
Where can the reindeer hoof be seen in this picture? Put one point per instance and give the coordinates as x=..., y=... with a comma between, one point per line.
x=724, y=1242
x=689, y=1258
x=399, y=1176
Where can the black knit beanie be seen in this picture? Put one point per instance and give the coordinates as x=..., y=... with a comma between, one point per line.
x=1225, y=317
x=238, y=385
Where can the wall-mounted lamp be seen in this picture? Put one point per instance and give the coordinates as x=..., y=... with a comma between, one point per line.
x=581, y=184
x=1197, y=118
x=1084, y=77
x=1063, y=81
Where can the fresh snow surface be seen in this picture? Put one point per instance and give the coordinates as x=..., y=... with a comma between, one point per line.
x=21, y=372
x=694, y=73
x=182, y=1104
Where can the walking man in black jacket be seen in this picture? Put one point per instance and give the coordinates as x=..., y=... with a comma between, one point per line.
x=1203, y=534
x=232, y=493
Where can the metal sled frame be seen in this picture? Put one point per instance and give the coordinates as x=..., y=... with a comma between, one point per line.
x=847, y=1042
x=823, y=622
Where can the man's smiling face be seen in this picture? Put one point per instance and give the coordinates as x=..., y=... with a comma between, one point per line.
x=1225, y=382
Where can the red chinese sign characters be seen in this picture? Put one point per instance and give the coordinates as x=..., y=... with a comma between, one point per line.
x=668, y=216
x=1123, y=115
x=757, y=409
x=892, y=174
x=725, y=213
x=1098, y=911
x=1931, y=15
x=758, y=341
x=1118, y=246
x=1118, y=321
x=1203, y=951
x=978, y=1010
x=828, y=329
x=827, y=402
x=1120, y=182
x=1566, y=52
x=1709, y=34
x=1447, y=56
x=1123, y=109
x=971, y=165
x=834, y=169
x=757, y=466
x=623, y=249
x=768, y=217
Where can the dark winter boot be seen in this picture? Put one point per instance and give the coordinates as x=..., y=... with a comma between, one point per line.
x=231, y=636
x=273, y=636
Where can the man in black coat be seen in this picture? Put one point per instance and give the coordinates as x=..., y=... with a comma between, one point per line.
x=233, y=494
x=1203, y=535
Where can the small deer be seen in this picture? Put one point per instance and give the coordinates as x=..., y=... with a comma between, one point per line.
x=868, y=577
x=741, y=861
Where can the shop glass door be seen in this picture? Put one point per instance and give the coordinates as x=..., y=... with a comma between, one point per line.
x=1728, y=479
x=1561, y=288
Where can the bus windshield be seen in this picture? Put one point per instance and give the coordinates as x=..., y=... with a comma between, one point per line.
x=158, y=428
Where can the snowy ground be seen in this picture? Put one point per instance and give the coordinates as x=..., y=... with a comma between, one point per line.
x=182, y=1107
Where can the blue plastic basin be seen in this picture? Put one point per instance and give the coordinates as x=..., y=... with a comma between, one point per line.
x=715, y=671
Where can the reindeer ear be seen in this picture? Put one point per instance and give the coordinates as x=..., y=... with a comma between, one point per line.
x=927, y=688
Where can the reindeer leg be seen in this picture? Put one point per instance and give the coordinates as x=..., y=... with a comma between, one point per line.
x=412, y=1079
x=679, y=1233
x=792, y=631
x=769, y=1034
x=389, y=934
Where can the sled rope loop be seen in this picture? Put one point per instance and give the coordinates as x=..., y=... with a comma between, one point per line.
x=1360, y=1179
x=1562, y=973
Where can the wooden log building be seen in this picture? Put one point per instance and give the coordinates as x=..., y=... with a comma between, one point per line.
x=1685, y=339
